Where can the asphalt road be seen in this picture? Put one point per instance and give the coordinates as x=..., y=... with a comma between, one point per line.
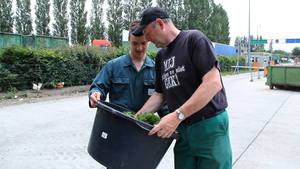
x=264, y=130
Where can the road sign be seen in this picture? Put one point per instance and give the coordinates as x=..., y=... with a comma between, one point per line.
x=292, y=41
x=259, y=41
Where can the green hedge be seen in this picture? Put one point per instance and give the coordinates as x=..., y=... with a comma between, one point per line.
x=22, y=66
x=78, y=65
x=227, y=62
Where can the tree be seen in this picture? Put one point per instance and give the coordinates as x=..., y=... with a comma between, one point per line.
x=167, y=5
x=176, y=11
x=199, y=14
x=238, y=45
x=180, y=16
x=23, y=17
x=82, y=37
x=6, y=24
x=60, y=26
x=131, y=10
x=78, y=22
x=218, y=25
x=114, y=12
x=172, y=7
x=241, y=44
x=144, y=4
x=97, y=26
x=296, y=51
x=280, y=53
x=42, y=17
x=271, y=46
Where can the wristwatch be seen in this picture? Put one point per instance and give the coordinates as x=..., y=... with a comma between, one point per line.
x=180, y=115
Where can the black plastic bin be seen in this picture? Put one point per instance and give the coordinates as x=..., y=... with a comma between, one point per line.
x=120, y=142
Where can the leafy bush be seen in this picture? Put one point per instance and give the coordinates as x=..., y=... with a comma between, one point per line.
x=78, y=65
x=296, y=51
x=147, y=117
x=227, y=62
x=152, y=54
x=6, y=79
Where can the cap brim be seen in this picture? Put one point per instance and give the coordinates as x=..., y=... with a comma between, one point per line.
x=139, y=31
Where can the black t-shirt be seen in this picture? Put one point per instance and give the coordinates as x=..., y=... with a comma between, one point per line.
x=180, y=68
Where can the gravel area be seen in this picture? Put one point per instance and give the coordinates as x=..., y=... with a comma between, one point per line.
x=31, y=96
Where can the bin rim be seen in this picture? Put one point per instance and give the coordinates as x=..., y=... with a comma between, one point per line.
x=105, y=105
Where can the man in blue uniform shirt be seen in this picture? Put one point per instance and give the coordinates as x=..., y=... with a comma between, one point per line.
x=129, y=79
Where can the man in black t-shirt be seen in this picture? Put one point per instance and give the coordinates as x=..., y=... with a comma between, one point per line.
x=188, y=78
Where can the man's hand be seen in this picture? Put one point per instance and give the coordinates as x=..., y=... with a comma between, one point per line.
x=138, y=113
x=166, y=127
x=94, y=98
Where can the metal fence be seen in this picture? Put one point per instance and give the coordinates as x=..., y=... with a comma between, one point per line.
x=35, y=41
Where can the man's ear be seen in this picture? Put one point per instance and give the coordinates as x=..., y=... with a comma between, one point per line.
x=160, y=23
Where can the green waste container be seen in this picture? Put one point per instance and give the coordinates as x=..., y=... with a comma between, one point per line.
x=283, y=76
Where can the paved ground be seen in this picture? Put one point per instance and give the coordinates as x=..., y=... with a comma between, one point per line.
x=53, y=134
x=264, y=125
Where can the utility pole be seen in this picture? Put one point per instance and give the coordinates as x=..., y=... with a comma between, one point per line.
x=249, y=43
x=258, y=46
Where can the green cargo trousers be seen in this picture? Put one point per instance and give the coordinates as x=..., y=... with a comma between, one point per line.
x=204, y=144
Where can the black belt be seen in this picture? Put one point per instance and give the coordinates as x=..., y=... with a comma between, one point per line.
x=198, y=118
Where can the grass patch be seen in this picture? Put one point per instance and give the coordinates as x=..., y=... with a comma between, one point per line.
x=13, y=95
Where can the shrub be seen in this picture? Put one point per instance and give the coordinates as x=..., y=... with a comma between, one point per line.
x=78, y=65
x=227, y=62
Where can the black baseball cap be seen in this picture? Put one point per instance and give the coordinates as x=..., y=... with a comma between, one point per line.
x=149, y=15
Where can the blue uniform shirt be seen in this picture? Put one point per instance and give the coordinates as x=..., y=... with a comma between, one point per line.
x=126, y=86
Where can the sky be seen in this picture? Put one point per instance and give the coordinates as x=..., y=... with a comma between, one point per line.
x=271, y=19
